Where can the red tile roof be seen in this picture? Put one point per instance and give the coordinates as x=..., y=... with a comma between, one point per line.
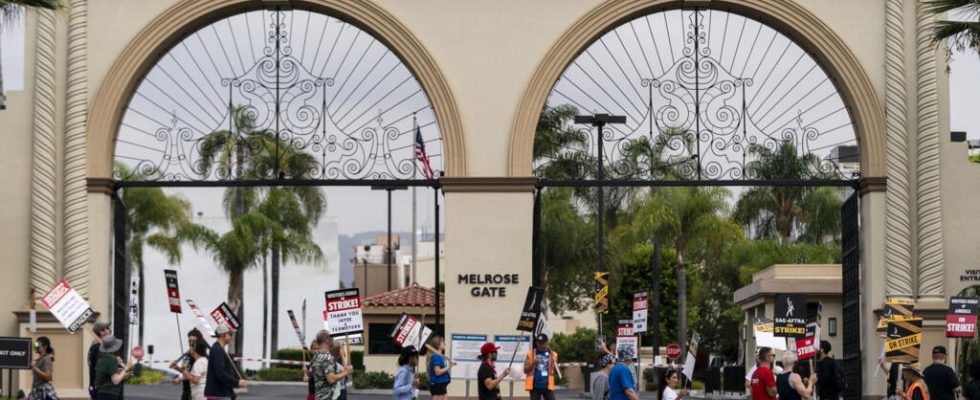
x=409, y=296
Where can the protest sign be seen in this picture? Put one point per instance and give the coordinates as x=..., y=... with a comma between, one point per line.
x=224, y=316
x=408, y=331
x=806, y=347
x=67, y=306
x=173, y=292
x=692, y=352
x=625, y=338
x=202, y=321
x=641, y=304
x=762, y=329
x=601, y=292
x=299, y=333
x=903, y=341
x=895, y=310
x=465, y=350
x=790, y=318
x=961, y=320
x=531, y=312
x=343, y=314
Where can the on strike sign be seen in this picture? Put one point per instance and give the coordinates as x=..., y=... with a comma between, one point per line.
x=408, y=331
x=67, y=306
x=173, y=292
x=205, y=325
x=343, y=314
x=223, y=315
x=961, y=320
x=806, y=347
x=640, y=306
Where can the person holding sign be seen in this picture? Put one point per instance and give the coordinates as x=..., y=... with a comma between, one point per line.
x=110, y=373
x=186, y=360
x=621, y=383
x=223, y=378
x=667, y=392
x=405, y=380
x=790, y=384
x=763, y=381
x=917, y=389
x=439, y=367
x=101, y=330
x=195, y=373
x=489, y=383
x=41, y=369
x=600, y=381
x=324, y=366
x=539, y=369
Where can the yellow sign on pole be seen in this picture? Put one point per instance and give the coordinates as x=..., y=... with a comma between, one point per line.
x=601, y=292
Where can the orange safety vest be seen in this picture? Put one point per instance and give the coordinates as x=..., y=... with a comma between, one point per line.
x=529, y=379
x=911, y=390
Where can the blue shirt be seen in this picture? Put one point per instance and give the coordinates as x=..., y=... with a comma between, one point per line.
x=620, y=379
x=542, y=369
x=403, y=389
x=438, y=360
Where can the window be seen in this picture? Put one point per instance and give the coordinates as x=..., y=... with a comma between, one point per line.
x=378, y=340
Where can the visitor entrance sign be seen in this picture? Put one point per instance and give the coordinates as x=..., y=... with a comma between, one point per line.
x=67, y=306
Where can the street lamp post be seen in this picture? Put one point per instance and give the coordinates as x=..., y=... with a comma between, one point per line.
x=388, y=250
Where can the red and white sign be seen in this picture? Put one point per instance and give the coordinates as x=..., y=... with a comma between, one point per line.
x=625, y=337
x=961, y=320
x=343, y=314
x=408, y=331
x=806, y=347
x=224, y=315
x=67, y=306
x=203, y=322
x=673, y=351
x=173, y=291
x=641, y=304
x=138, y=352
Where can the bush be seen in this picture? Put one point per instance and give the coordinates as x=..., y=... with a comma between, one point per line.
x=291, y=355
x=423, y=380
x=357, y=360
x=577, y=347
x=280, y=375
x=374, y=380
x=148, y=377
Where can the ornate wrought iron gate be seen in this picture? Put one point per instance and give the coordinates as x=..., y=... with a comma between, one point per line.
x=851, y=291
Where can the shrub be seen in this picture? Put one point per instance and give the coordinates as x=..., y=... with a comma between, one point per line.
x=148, y=377
x=292, y=355
x=423, y=380
x=577, y=347
x=374, y=380
x=280, y=375
x=357, y=360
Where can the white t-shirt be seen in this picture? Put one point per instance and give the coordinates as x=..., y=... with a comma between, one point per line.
x=200, y=369
x=748, y=376
x=669, y=394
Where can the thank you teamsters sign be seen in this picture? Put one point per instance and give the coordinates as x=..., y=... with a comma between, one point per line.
x=961, y=320
x=790, y=318
x=67, y=306
x=343, y=314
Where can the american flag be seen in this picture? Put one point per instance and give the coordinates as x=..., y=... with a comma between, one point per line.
x=421, y=156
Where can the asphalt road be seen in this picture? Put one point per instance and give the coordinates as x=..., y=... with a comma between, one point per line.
x=298, y=392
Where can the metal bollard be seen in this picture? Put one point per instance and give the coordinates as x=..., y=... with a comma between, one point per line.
x=467, y=389
x=512, y=388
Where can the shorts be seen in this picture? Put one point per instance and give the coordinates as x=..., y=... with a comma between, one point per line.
x=438, y=389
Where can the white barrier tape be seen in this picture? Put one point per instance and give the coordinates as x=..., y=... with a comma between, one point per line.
x=268, y=360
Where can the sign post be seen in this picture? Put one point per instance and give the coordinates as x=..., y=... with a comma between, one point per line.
x=67, y=306
x=173, y=297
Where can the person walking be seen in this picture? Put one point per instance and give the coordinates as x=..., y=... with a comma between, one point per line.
x=763, y=381
x=308, y=372
x=101, y=330
x=829, y=387
x=621, y=383
x=539, y=370
x=790, y=385
x=600, y=381
x=340, y=391
x=324, y=366
x=489, y=383
x=110, y=372
x=971, y=391
x=668, y=385
x=186, y=360
x=405, y=380
x=940, y=378
x=917, y=387
x=195, y=373
x=222, y=377
x=438, y=369
x=41, y=371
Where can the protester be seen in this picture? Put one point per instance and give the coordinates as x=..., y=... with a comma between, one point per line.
x=971, y=391
x=110, y=372
x=186, y=360
x=600, y=381
x=829, y=387
x=940, y=378
x=308, y=372
x=893, y=372
x=438, y=369
x=667, y=385
x=621, y=383
x=763, y=381
x=917, y=387
x=340, y=391
x=222, y=377
x=195, y=372
x=405, y=380
x=489, y=383
x=42, y=369
x=324, y=366
x=790, y=385
x=539, y=369
x=101, y=330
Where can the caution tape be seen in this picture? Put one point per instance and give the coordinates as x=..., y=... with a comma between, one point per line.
x=267, y=360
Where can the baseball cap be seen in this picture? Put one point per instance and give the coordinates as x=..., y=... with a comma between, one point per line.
x=99, y=326
x=939, y=350
x=221, y=330
x=541, y=338
x=488, y=348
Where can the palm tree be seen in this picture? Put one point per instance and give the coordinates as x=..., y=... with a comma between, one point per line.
x=10, y=9
x=961, y=34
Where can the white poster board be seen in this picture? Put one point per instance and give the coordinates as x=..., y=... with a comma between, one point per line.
x=67, y=306
x=692, y=352
x=410, y=332
x=343, y=314
x=641, y=305
x=507, y=344
x=465, y=351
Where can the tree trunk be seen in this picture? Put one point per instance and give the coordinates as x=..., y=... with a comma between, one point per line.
x=655, y=318
x=276, y=263
x=236, y=301
x=265, y=308
x=681, y=300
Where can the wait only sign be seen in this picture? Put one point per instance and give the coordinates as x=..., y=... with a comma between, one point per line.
x=961, y=319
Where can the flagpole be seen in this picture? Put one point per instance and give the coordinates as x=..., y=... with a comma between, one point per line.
x=414, y=211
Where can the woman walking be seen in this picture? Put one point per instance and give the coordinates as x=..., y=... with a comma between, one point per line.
x=917, y=389
x=340, y=392
x=405, y=380
x=41, y=369
x=197, y=374
x=438, y=369
x=110, y=372
x=669, y=385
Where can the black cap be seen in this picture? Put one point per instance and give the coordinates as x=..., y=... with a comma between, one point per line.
x=939, y=350
x=541, y=338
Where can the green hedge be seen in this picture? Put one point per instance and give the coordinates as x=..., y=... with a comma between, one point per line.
x=280, y=375
x=423, y=380
x=374, y=380
x=577, y=347
x=357, y=360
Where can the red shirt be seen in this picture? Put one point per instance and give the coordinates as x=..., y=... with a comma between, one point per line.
x=762, y=378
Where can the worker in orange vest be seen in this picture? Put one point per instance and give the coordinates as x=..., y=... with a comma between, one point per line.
x=540, y=367
x=917, y=389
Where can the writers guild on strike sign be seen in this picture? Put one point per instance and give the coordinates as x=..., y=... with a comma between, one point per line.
x=961, y=319
x=488, y=285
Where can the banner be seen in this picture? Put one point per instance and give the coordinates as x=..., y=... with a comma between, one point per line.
x=806, y=347
x=692, y=352
x=790, y=318
x=507, y=345
x=625, y=336
x=408, y=331
x=762, y=329
x=904, y=339
x=299, y=332
x=531, y=312
x=223, y=316
x=601, y=292
x=895, y=310
x=465, y=351
x=641, y=304
x=67, y=306
x=343, y=314
x=202, y=321
x=173, y=292
x=961, y=320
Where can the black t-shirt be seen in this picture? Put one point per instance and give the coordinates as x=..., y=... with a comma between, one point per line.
x=826, y=379
x=486, y=372
x=972, y=390
x=893, y=373
x=941, y=380
x=93, y=358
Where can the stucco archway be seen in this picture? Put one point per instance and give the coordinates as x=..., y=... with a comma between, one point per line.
x=171, y=26
x=788, y=17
